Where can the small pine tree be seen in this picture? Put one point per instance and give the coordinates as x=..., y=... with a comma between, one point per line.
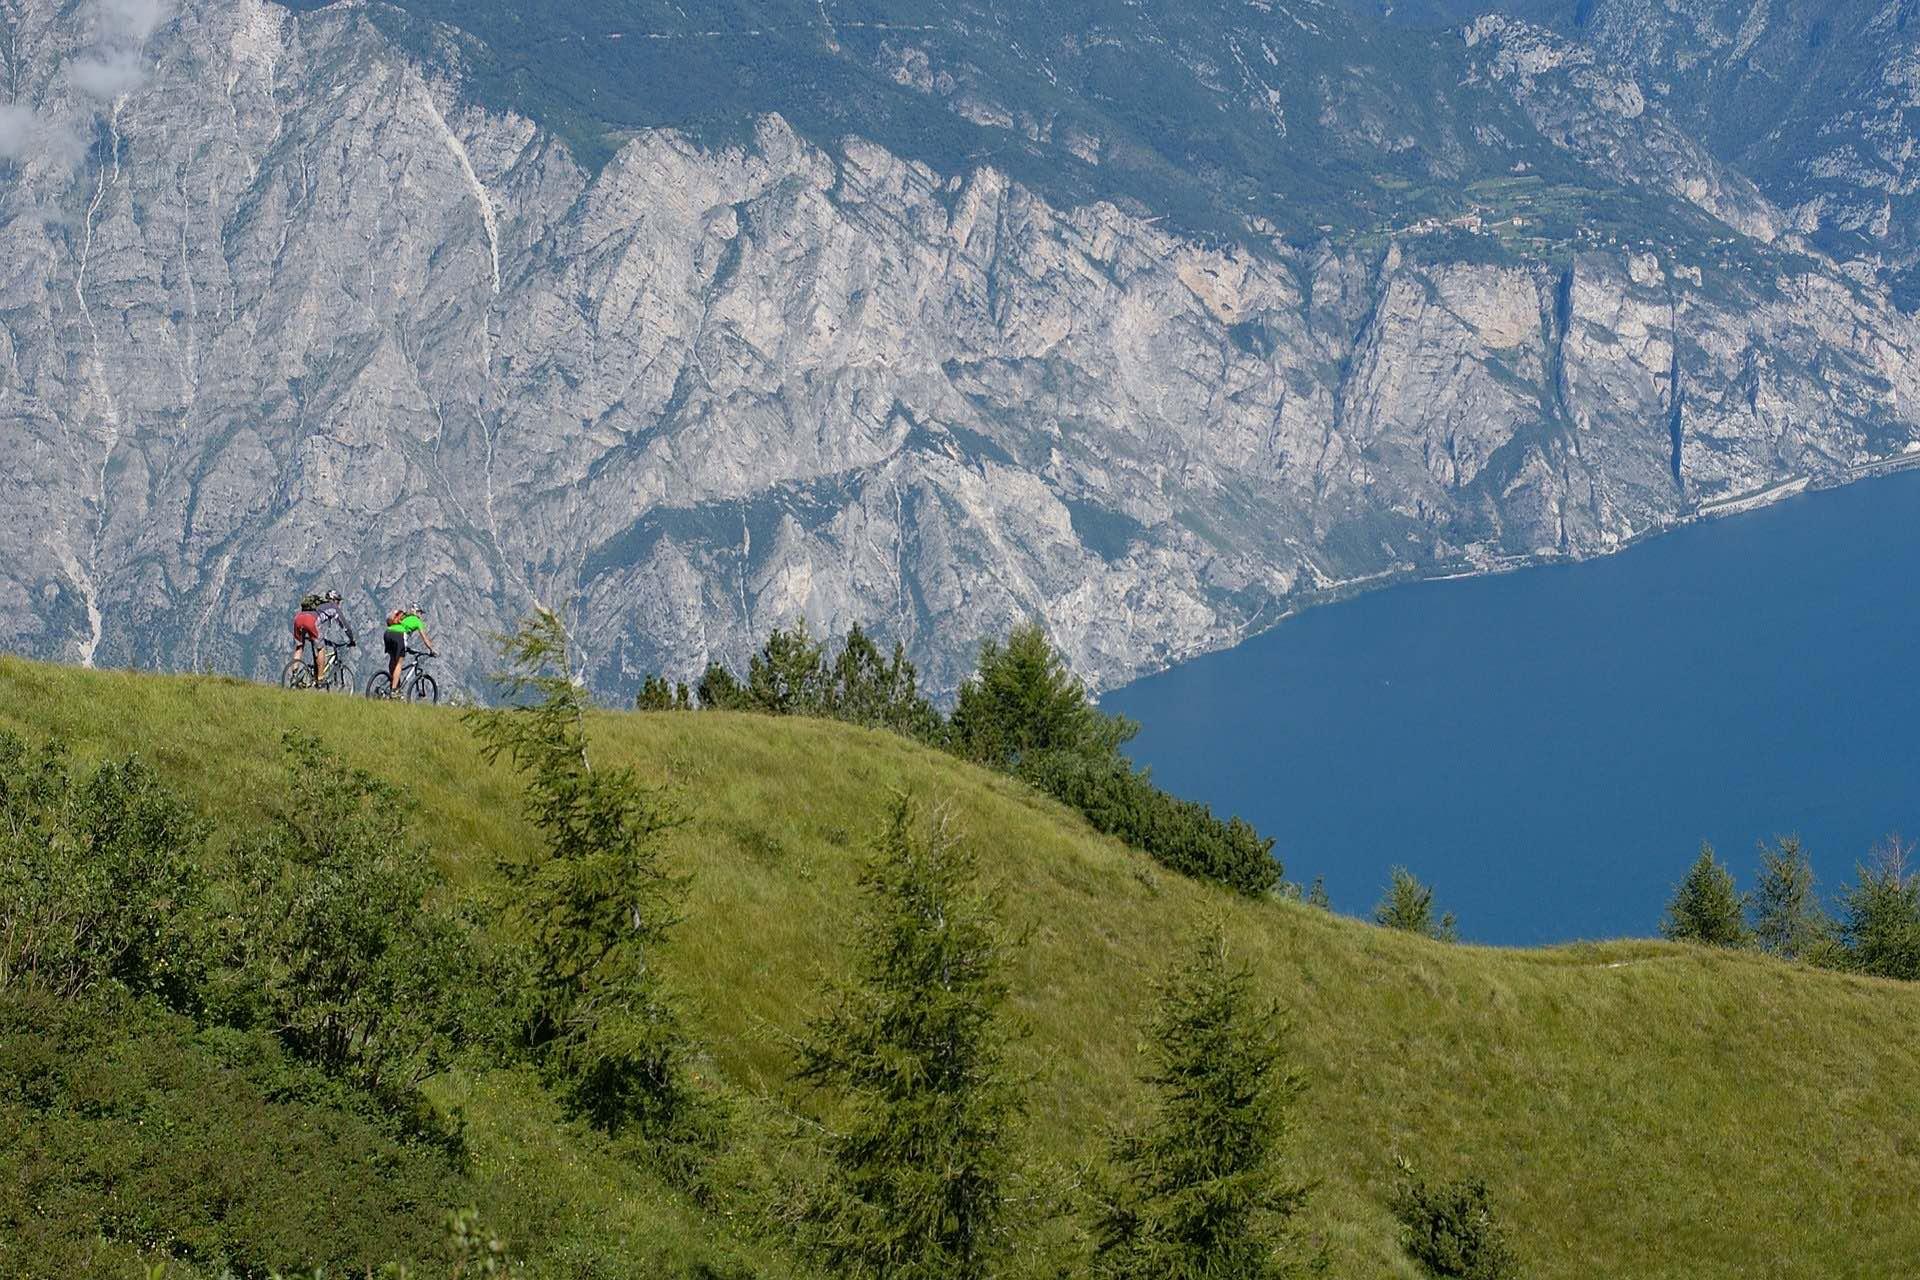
x=913, y=1052
x=1200, y=1192
x=1023, y=701
x=1785, y=910
x=1451, y=1230
x=1706, y=908
x=1409, y=906
x=1880, y=924
x=657, y=695
x=1317, y=896
x=788, y=677
x=719, y=690
x=595, y=897
x=882, y=693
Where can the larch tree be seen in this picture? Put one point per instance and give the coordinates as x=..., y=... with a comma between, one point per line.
x=594, y=897
x=910, y=1059
x=1199, y=1191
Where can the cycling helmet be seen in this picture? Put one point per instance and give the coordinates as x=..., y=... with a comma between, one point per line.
x=333, y=597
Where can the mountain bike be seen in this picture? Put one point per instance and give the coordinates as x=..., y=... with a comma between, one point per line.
x=416, y=685
x=299, y=672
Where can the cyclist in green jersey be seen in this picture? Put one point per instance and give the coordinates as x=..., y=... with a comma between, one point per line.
x=402, y=626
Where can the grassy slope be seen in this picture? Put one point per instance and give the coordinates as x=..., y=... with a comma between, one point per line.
x=1640, y=1109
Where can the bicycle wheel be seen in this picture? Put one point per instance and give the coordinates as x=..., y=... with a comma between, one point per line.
x=339, y=677
x=298, y=675
x=378, y=686
x=424, y=689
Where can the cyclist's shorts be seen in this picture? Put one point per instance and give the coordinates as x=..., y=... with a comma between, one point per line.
x=396, y=642
x=306, y=627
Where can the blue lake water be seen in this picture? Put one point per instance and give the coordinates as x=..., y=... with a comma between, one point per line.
x=1548, y=748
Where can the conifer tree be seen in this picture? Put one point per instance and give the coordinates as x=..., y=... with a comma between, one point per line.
x=1451, y=1230
x=1881, y=915
x=1200, y=1193
x=881, y=693
x=657, y=695
x=1409, y=906
x=719, y=690
x=1023, y=701
x=912, y=1052
x=1785, y=910
x=595, y=897
x=1317, y=895
x=788, y=677
x=1706, y=908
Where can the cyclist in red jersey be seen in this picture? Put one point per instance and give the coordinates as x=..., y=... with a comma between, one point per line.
x=319, y=623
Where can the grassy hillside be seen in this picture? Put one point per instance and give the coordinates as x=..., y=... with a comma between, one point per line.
x=1639, y=1109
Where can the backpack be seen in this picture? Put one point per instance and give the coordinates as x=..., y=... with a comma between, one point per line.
x=311, y=601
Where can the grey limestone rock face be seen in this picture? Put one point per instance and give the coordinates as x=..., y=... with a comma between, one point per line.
x=280, y=308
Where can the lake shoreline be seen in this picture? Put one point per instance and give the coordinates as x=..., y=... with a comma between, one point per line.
x=1467, y=569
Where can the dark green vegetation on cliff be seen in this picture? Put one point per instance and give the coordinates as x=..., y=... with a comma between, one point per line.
x=1218, y=116
x=1623, y=1102
x=1206, y=112
x=1346, y=116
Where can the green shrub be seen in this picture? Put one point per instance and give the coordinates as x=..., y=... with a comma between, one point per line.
x=332, y=935
x=127, y=1135
x=98, y=877
x=1023, y=712
x=1122, y=801
x=1451, y=1230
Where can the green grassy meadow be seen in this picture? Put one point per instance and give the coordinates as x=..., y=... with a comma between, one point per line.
x=1639, y=1109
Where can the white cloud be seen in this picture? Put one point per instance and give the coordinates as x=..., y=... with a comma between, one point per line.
x=17, y=127
x=108, y=72
x=135, y=19
x=26, y=135
x=114, y=65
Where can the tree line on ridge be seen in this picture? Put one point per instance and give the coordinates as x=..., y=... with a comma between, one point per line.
x=1022, y=712
x=1877, y=930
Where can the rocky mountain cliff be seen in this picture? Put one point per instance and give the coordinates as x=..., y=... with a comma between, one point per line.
x=292, y=298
